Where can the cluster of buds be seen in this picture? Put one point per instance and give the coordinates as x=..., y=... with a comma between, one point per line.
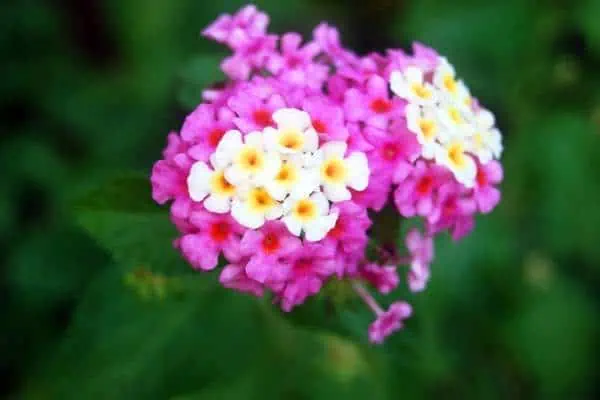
x=281, y=169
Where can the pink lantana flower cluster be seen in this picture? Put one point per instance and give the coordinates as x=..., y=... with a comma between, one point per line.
x=276, y=178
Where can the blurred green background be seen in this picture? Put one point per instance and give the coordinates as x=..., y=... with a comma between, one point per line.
x=96, y=305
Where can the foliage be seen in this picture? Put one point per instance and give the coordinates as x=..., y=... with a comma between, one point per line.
x=96, y=303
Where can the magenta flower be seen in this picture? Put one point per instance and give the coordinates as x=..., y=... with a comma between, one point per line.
x=423, y=57
x=310, y=266
x=383, y=278
x=204, y=128
x=254, y=113
x=266, y=248
x=295, y=64
x=251, y=56
x=233, y=276
x=233, y=30
x=394, y=152
x=389, y=321
x=415, y=194
x=217, y=233
x=168, y=177
x=350, y=230
x=376, y=194
x=327, y=119
x=356, y=140
x=485, y=194
x=452, y=211
x=420, y=249
x=373, y=106
x=328, y=39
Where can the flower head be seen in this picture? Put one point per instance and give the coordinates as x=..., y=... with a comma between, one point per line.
x=280, y=171
x=389, y=321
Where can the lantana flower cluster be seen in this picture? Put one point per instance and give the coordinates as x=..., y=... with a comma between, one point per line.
x=278, y=176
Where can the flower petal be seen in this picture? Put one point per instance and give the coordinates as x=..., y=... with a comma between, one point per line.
x=217, y=204
x=245, y=217
x=198, y=181
x=358, y=171
x=336, y=193
x=334, y=149
x=293, y=225
x=291, y=118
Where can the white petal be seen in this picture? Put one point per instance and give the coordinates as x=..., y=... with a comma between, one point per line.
x=228, y=147
x=236, y=176
x=485, y=119
x=319, y=228
x=428, y=150
x=334, y=149
x=337, y=193
x=413, y=75
x=293, y=225
x=308, y=183
x=217, y=204
x=271, y=167
x=291, y=118
x=274, y=212
x=311, y=140
x=240, y=212
x=254, y=139
x=397, y=83
x=275, y=190
x=358, y=171
x=321, y=202
x=231, y=142
x=311, y=160
x=413, y=116
x=198, y=181
x=467, y=174
x=217, y=163
x=270, y=138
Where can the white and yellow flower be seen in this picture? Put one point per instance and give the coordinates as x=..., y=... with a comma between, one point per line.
x=255, y=207
x=310, y=215
x=293, y=179
x=411, y=85
x=245, y=161
x=444, y=78
x=424, y=123
x=211, y=186
x=453, y=156
x=294, y=133
x=455, y=119
x=486, y=142
x=337, y=173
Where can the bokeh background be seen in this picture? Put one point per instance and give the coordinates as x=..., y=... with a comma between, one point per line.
x=96, y=305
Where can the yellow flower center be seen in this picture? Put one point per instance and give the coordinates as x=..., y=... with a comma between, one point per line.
x=450, y=83
x=219, y=185
x=260, y=201
x=334, y=170
x=456, y=155
x=292, y=140
x=478, y=140
x=287, y=175
x=251, y=159
x=428, y=128
x=305, y=210
x=455, y=116
x=421, y=91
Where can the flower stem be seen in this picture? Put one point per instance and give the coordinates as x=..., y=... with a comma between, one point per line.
x=367, y=298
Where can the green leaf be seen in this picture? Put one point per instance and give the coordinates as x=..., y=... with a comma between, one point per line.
x=121, y=347
x=120, y=216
